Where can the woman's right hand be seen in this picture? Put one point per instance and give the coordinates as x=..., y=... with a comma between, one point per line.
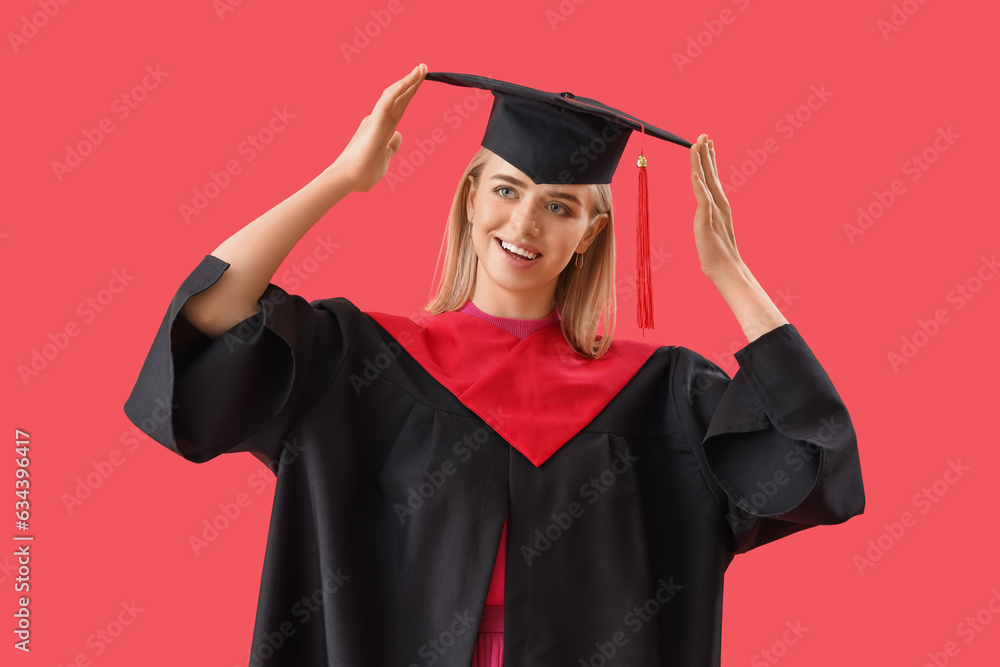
x=366, y=158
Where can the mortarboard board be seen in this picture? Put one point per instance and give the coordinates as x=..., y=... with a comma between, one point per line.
x=568, y=139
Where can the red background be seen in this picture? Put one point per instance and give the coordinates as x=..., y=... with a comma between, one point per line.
x=61, y=239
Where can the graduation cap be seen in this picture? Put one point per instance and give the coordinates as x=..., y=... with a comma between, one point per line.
x=567, y=139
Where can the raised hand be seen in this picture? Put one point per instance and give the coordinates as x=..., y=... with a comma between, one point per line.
x=365, y=159
x=716, y=241
x=713, y=220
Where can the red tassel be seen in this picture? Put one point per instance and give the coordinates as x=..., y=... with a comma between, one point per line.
x=643, y=279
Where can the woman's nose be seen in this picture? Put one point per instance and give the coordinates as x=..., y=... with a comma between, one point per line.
x=523, y=219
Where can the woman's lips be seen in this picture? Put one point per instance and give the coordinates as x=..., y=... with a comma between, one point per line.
x=523, y=247
x=515, y=260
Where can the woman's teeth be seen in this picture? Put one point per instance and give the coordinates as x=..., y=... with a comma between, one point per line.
x=511, y=248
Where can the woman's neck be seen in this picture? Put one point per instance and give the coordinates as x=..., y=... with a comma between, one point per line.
x=522, y=328
x=535, y=307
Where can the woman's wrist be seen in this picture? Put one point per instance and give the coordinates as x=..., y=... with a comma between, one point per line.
x=730, y=273
x=752, y=307
x=336, y=179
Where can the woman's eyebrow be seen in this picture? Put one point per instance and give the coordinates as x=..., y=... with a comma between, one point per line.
x=518, y=182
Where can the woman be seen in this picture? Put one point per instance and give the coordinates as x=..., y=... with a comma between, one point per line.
x=500, y=451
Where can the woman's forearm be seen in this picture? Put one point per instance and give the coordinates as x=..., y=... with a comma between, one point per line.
x=255, y=252
x=753, y=308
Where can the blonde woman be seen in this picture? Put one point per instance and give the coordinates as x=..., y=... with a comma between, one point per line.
x=502, y=480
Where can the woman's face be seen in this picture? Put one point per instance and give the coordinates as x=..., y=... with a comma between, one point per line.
x=549, y=222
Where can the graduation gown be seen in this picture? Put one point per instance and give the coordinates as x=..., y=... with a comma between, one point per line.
x=629, y=482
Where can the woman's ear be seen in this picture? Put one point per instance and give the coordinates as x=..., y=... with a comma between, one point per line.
x=470, y=203
x=595, y=228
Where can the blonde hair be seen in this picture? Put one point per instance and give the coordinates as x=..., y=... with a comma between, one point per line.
x=585, y=295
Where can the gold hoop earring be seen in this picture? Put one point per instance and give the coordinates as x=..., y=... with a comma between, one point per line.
x=578, y=262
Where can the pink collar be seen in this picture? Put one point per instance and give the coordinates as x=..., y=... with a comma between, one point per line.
x=522, y=328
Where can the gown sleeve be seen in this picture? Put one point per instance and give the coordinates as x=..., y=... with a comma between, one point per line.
x=239, y=392
x=775, y=442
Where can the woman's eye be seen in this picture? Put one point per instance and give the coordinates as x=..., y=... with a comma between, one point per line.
x=507, y=192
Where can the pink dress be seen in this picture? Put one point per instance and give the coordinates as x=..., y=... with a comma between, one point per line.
x=489, y=642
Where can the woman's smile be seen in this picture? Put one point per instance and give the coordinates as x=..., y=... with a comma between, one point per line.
x=516, y=256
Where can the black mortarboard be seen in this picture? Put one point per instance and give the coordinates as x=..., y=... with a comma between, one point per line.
x=566, y=138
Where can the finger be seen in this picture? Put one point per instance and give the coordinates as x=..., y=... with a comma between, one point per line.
x=705, y=160
x=389, y=115
x=389, y=96
x=715, y=164
x=392, y=90
x=399, y=106
x=414, y=79
x=712, y=180
x=722, y=200
x=394, y=143
x=701, y=192
x=711, y=153
x=696, y=166
x=701, y=184
x=719, y=197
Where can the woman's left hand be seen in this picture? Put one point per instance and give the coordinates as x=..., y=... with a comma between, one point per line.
x=713, y=221
x=720, y=260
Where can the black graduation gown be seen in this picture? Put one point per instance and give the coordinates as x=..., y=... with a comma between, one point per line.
x=393, y=483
